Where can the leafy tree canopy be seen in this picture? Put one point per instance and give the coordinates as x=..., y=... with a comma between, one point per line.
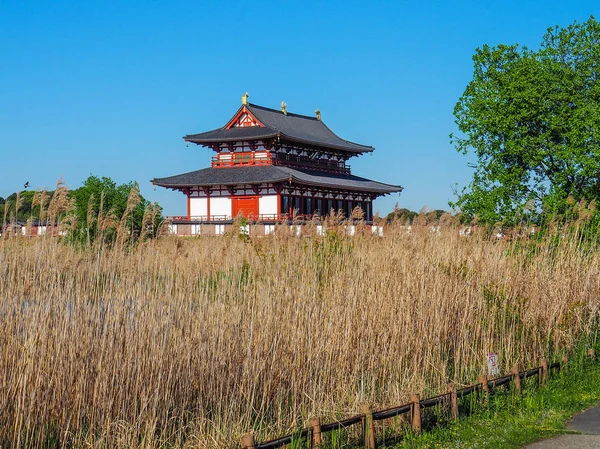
x=408, y=216
x=532, y=119
x=101, y=207
x=403, y=214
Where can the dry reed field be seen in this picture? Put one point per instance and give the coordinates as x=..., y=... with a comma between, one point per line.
x=193, y=342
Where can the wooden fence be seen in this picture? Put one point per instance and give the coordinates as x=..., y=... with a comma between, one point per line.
x=315, y=430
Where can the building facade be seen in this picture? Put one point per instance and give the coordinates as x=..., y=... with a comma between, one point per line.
x=271, y=166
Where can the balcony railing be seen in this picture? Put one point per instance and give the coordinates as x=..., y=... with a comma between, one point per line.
x=224, y=218
x=293, y=160
x=266, y=158
x=241, y=159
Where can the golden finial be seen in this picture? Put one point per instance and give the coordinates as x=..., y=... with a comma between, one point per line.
x=318, y=113
x=284, y=107
x=245, y=99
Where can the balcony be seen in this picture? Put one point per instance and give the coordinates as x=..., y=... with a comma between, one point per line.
x=223, y=160
x=262, y=218
x=328, y=165
x=241, y=159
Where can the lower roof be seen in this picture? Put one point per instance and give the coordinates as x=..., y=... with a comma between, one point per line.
x=272, y=174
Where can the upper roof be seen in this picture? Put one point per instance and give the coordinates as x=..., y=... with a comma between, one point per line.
x=290, y=127
x=270, y=174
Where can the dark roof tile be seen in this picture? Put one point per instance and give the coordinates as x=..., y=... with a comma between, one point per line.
x=304, y=129
x=271, y=173
x=232, y=135
x=291, y=127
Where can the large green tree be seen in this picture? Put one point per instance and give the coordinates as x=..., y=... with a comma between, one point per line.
x=532, y=120
x=103, y=209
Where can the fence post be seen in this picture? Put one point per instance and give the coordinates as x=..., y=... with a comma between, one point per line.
x=592, y=353
x=315, y=432
x=484, y=386
x=453, y=400
x=543, y=375
x=517, y=378
x=416, y=412
x=368, y=428
x=248, y=441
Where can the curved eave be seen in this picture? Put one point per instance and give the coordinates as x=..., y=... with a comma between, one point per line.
x=228, y=139
x=353, y=151
x=179, y=186
x=222, y=135
x=231, y=139
x=385, y=189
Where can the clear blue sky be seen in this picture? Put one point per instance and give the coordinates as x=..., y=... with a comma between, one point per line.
x=110, y=87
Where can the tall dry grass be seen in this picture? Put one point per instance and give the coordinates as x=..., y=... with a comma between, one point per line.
x=193, y=342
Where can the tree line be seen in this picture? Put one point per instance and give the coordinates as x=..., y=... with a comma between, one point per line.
x=99, y=209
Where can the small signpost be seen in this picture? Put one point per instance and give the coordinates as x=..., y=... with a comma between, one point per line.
x=492, y=364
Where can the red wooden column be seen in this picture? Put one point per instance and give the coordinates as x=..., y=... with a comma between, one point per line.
x=278, y=215
x=189, y=204
x=207, y=192
x=290, y=202
x=301, y=211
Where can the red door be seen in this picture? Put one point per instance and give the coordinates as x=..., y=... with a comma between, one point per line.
x=247, y=207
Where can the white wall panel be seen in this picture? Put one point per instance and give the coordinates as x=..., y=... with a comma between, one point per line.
x=198, y=207
x=220, y=206
x=267, y=205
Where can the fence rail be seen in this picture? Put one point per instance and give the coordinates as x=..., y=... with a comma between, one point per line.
x=316, y=430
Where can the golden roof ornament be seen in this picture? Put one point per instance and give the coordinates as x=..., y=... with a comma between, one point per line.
x=284, y=107
x=318, y=114
x=245, y=99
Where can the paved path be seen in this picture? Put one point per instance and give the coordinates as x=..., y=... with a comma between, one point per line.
x=588, y=426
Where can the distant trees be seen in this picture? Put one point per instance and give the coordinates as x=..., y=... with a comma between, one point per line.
x=425, y=216
x=98, y=210
x=402, y=214
x=24, y=200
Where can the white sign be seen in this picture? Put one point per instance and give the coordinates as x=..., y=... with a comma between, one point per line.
x=492, y=363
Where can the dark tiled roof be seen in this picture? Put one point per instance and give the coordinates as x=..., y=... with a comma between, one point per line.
x=271, y=173
x=232, y=135
x=292, y=127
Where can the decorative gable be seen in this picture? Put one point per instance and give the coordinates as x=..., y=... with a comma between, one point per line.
x=243, y=119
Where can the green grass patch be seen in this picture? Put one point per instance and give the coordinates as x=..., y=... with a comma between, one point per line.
x=508, y=420
x=511, y=421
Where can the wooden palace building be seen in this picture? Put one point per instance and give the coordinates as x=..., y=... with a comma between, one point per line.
x=269, y=166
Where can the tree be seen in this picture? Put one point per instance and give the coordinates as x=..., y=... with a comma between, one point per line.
x=532, y=119
x=105, y=210
x=403, y=214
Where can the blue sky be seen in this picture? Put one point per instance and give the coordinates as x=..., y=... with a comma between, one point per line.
x=110, y=87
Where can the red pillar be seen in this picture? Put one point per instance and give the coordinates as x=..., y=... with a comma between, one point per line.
x=278, y=206
x=208, y=206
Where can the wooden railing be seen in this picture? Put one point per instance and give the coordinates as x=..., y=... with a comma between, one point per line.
x=314, y=432
x=292, y=160
x=266, y=158
x=241, y=159
x=194, y=219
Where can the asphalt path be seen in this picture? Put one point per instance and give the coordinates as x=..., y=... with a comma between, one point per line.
x=587, y=426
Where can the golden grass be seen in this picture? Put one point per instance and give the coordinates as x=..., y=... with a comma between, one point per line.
x=193, y=342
